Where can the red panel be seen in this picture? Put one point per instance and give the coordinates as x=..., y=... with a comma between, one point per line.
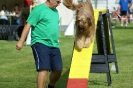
x=77, y=83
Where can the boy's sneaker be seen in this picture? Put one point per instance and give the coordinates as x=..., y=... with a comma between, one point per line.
x=48, y=86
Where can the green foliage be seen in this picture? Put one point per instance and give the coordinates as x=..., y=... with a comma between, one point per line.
x=17, y=68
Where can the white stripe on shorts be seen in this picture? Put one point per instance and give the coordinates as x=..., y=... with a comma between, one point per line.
x=37, y=58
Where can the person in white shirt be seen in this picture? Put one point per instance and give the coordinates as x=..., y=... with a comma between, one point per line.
x=3, y=17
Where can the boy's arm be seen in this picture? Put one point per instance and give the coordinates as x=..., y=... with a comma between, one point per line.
x=24, y=34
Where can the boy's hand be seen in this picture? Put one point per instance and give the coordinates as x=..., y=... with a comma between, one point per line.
x=19, y=45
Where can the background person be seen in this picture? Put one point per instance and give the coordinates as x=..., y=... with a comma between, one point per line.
x=44, y=20
x=123, y=8
x=17, y=19
x=3, y=17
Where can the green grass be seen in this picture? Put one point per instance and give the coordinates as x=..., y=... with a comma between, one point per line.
x=17, y=68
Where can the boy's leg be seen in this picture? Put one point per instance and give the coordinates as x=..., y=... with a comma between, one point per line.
x=54, y=77
x=41, y=78
x=56, y=63
x=42, y=60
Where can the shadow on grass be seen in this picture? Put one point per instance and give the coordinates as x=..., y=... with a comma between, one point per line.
x=97, y=82
x=62, y=83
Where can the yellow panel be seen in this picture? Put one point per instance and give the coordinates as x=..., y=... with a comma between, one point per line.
x=80, y=65
x=100, y=10
x=79, y=71
x=79, y=76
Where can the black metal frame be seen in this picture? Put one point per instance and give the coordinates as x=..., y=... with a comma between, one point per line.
x=104, y=38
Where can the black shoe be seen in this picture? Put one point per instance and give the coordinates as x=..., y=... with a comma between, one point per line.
x=49, y=86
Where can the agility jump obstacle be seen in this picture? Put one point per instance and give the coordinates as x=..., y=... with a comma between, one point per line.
x=83, y=62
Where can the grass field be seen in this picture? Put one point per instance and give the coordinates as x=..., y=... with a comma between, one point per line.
x=17, y=68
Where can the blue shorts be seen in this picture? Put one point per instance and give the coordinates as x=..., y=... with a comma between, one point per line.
x=47, y=58
x=123, y=13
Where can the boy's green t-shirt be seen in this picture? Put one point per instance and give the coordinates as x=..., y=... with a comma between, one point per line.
x=45, y=29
